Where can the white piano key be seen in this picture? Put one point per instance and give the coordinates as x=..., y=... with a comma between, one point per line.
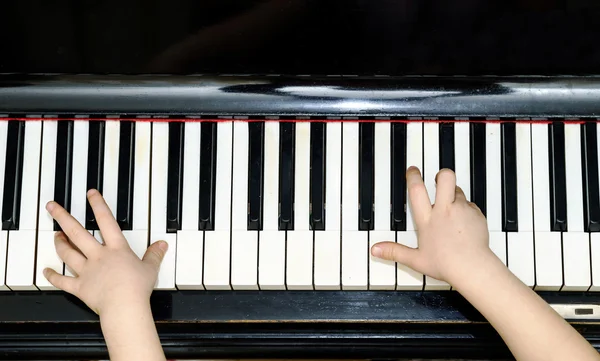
x=47, y=175
x=414, y=157
x=355, y=245
x=327, y=243
x=3, y=143
x=520, y=255
x=244, y=243
x=21, y=260
x=431, y=165
x=521, y=260
x=595, y=260
x=46, y=258
x=462, y=157
x=299, y=273
x=576, y=261
x=110, y=182
x=271, y=252
x=548, y=245
x=574, y=176
x=408, y=279
x=22, y=243
x=576, y=243
x=3, y=247
x=217, y=243
x=158, y=200
x=498, y=245
x=138, y=241
x=493, y=175
x=189, y=273
x=79, y=174
x=382, y=273
x=190, y=241
x=548, y=261
x=141, y=179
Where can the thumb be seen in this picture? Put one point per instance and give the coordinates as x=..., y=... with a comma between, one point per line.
x=396, y=252
x=155, y=253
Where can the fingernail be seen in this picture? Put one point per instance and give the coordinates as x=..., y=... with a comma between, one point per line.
x=377, y=251
x=50, y=206
x=163, y=245
x=46, y=272
x=91, y=192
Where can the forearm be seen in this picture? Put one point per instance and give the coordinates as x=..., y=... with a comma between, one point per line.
x=130, y=333
x=529, y=326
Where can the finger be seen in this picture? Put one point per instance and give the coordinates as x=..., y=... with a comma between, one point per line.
x=445, y=187
x=420, y=204
x=67, y=284
x=396, y=252
x=459, y=195
x=76, y=233
x=69, y=255
x=155, y=254
x=111, y=232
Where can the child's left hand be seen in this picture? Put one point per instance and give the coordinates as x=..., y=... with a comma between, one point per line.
x=107, y=275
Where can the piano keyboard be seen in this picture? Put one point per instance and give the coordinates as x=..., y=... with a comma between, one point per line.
x=296, y=205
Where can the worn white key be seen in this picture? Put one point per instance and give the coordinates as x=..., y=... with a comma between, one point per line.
x=414, y=157
x=271, y=252
x=46, y=256
x=462, y=157
x=110, y=176
x=158, y=199
x=20, y=263
x=520, y=244
x=431, y=165
x=498, y=245
x=548, y=245
x=493, y=163
x=355, y=246
x=217, y=243
x=190, y=241
x=244, y=243
x=299, y=273
x=141, y=179
x=189, y=260
x=327, y=243
x=21, y=244
x=382, y=273
x=576, y=244
x=408, y=279
x=3, y=249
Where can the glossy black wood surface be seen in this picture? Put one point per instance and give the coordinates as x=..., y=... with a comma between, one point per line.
x=264, y=95
x=222, y=324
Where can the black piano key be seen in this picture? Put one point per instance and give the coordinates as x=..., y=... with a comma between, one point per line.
x=446, y=135
x=13, y=175
x=591, y=196
x=175, y=176
x=256, y=156
x=126, y=175
x=478, y=165
x=317, y=176
x=398, y=180
x=558, y=177
x=63, y=166
x=510, y=212
x=208, y=163
x=287, y=146
x=366, y=175
x=95, y=171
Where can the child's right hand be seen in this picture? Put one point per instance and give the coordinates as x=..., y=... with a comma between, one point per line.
x=452, y=234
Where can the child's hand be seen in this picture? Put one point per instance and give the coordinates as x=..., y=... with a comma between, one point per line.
x=452, y=234
x=109, y=275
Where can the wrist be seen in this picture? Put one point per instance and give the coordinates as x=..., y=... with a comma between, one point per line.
x=482, y=267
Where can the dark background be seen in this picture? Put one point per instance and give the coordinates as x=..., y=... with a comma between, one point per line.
x=364, y=37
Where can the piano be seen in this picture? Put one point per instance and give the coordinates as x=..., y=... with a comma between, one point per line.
x=267, y=142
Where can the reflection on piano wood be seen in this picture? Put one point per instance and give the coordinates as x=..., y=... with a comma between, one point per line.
x=271, y=203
